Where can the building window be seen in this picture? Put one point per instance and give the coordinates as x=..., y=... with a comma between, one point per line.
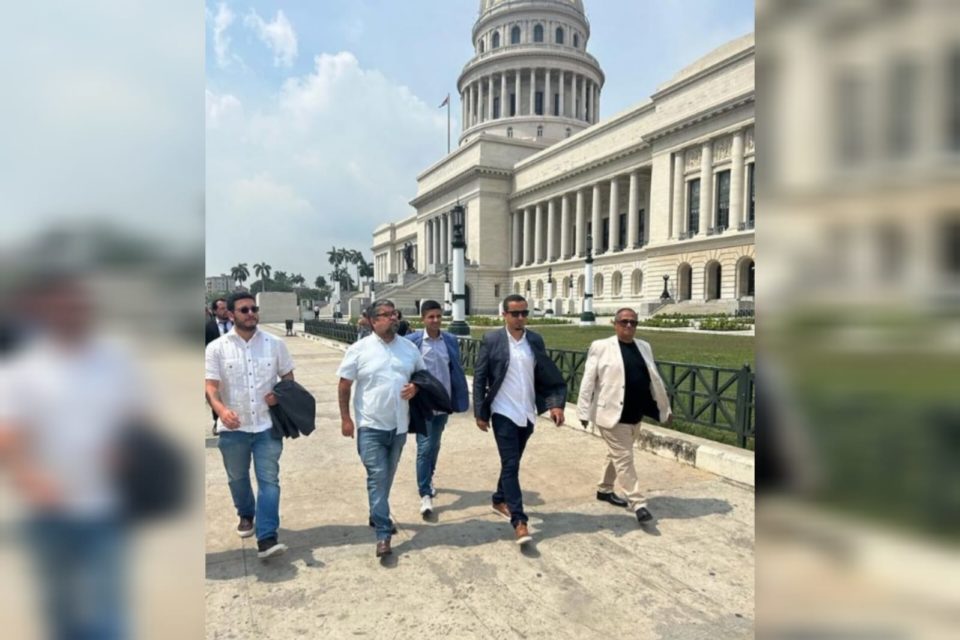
x=539, y=288
x=605, y=240
x=515, y=35
x=496, y=107
x=617, y=284
x=496, y=40
x=556, y=104
x=622, y=235
x=509, y=132
x=513, y=104
x=751, y=195
x=538, y=33
x=580, y=287
x=636, y=282
x=496, y=291
x=559, y=35
x=902, y=101
x=576, y=41
x=723, y=199
x=480, y=45
x=641, y=227
x=598, y=284
x=540, y=131
x=538, y=103
x=693, y=207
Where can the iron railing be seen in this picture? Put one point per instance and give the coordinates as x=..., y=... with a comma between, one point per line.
x=339, y=331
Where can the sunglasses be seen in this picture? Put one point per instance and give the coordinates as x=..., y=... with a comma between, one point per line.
x=518, y=314
x=388, y=314
x=253, y=309
x=627, y=323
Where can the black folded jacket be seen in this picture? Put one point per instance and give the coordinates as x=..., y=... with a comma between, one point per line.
x=295, y=412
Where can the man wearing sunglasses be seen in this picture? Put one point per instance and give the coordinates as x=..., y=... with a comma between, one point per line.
x=241, y=369
x=514, y=380
x=620, y=385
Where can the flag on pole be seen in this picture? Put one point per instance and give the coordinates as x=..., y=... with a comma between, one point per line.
x=445, y=102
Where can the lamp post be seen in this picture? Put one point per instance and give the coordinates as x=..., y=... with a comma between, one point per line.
x=666, y=294
x=446, y=291
x=459, y=326
x=586, y=316
x=549, y=310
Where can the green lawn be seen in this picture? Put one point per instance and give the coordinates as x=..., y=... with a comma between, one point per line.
x=672, y=346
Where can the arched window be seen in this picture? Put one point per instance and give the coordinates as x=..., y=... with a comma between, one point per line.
x=712, y=275
x=558, y=37
x=580, y=287
x=496, y=40
x=684, y=275
x=617, y=284
x=515, y=35
x=636, y=282
x=516, y=287
x=598, y=284
x=509, y=132
x=576, y=41
x=526, y=289
x=540, y=131
x=539, y=288
x=480, y=45
x=745, y=278
x=538, y=33
x=565, y=287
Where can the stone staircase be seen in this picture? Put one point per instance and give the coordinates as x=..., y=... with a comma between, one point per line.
x=405, y=295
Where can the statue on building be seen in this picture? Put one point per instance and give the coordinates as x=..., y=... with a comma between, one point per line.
x=408, y=257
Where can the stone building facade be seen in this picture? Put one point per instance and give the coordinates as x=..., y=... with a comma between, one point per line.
x=665, y=188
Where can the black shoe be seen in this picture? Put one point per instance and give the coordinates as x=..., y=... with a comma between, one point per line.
x=393, y=526
x=269, y=547
x=612, y=498
x=644, y=516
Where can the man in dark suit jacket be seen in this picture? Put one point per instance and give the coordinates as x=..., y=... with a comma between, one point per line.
x=514, y=380
x=216, y=326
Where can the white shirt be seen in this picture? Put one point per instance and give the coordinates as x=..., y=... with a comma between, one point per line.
x=380, y=370
x=71, y=405
x=224, y=326
x=516, y=398
x=247, y=372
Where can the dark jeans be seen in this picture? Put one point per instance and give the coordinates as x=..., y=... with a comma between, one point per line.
x=511, y=441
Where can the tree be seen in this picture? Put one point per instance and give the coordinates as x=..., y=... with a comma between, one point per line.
x=365, y=270
x=320, y=282
x=298, y=280
x=281, y=278
x=240, y=273
x=262, y=269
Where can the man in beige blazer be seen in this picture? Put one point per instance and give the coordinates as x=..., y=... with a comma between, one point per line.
x=620, y=385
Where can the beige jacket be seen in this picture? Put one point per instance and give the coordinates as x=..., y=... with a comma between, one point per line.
x=601, y=390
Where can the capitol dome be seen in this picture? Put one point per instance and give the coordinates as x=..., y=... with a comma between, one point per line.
x=531, y=77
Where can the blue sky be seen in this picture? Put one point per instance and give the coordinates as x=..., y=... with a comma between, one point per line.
x=321, y=114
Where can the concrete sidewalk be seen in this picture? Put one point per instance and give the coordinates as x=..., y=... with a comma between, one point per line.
x=590, y=573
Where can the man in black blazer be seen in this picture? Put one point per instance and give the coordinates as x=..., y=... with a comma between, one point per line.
x=216, y=326
x=514, y=380
x=220, y=323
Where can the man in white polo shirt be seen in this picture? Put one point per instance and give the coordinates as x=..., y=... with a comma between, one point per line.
x=242, y=367
x=381, y=365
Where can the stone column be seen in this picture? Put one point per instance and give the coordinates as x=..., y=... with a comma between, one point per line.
x=528, y=236
x=516, y=91
x=736, y=181
x=538, y=236
x=581, y=225
x=614, y=215
x=547, y=95
x=597, y=226
x=504, y=106
x=596, y=111
x=633, y=210
x=562, y=112
x=565, y=226
x=533, y=91
x=517, y=247
x=551, y=229
x=428, y=247
x=490, y=98
x=449, y=235
x=587, y=100
x=706, y=187
x=678, y=213
x=444, y=239
x=436, y=240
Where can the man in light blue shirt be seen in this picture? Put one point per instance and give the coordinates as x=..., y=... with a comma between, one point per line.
x=441, y=354
x=381, y=365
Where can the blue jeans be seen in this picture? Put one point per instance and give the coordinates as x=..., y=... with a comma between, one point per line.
x=380, y=453
x=237, y=447
x=80, y=565
x=428, y=448
x=511, y=441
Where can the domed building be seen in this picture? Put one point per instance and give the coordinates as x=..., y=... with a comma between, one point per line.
x=665, y=188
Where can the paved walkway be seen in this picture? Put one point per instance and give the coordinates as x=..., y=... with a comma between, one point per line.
x=590, y=573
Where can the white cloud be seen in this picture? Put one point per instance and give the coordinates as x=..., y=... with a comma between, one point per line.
x=221, y=41
x=322, y=161
x=278, y=35
x=221, y=107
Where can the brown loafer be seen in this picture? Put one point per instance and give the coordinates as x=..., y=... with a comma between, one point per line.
x=523, y=534
x=383, y=548
x=502, y=509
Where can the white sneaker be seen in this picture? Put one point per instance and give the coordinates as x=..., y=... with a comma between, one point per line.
x=433, y=491
x=426, y=506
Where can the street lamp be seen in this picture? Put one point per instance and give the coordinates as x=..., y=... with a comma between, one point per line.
x=446, y=290
x=459, y=326
x=549, y=310
x=666, y=294
x=586, y=316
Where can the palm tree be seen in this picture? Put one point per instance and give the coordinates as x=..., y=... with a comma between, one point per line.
x=262, y=269
x=298, y=280
x=240, y=273
x=335, y=256
x=281, y=278
x=365, y=270
x=320, y=282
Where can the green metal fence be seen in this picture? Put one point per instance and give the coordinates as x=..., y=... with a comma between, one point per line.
x=717, y=397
